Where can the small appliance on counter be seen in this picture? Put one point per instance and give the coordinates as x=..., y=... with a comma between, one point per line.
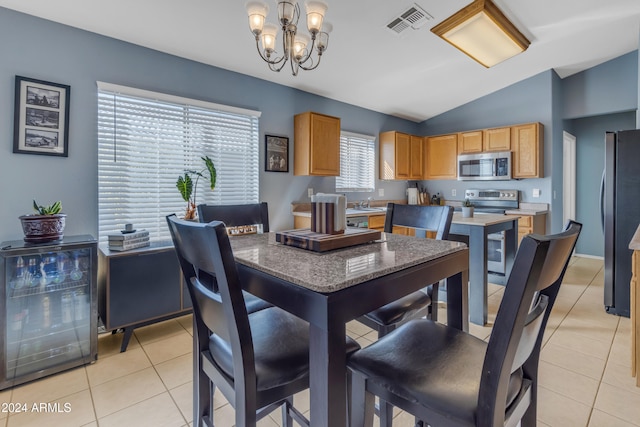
x=412, y=196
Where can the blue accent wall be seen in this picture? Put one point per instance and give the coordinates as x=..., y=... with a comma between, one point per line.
x=607, y=88
x=49, y=51
x=589, y=133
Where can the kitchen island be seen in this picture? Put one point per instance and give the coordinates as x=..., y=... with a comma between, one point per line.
x=474, y=231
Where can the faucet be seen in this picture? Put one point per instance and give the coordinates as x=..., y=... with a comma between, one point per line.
x=369, y=201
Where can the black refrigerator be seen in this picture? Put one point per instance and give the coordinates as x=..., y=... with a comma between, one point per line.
x=620, y=209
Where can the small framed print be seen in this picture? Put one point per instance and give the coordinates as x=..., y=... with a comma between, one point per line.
x=41, y=118
x=276, y=153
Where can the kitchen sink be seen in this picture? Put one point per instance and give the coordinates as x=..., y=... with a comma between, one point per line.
x=364, y=211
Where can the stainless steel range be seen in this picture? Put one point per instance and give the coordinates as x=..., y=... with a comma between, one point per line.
x=495, y=202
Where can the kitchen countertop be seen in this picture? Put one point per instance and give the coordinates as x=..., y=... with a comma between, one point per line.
x=635, y=241
x=529, y=209
x=482, y=219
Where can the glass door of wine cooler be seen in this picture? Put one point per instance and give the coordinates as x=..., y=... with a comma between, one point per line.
x=49, y=307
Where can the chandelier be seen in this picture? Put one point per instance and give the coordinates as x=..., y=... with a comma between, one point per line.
x=295, y=46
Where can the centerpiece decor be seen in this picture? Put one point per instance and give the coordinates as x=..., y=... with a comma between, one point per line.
x=188, y=187
x=45, y=226
x=467, y=209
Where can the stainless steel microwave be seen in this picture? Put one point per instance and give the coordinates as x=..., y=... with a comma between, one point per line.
x=484, y=166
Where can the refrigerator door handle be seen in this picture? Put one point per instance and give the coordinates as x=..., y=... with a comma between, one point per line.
x=602, y=200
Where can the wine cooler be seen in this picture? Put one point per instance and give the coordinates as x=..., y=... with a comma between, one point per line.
x=48, y=307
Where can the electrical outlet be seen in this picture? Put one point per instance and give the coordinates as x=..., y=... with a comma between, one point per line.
x=309, y=192
x=453, y=192
x=536, y=192
x=380, y=192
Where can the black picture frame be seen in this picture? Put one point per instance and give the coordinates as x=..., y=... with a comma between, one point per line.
x=276, y=153
x=41, y=118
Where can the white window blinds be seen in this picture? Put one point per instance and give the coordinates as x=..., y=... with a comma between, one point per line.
x=147, y=140
x=357, y=163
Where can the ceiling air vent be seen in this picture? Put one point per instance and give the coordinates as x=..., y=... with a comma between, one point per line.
x=414, y=17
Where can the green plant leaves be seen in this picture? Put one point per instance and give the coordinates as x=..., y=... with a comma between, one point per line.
x=52, y=209
x=185, y=186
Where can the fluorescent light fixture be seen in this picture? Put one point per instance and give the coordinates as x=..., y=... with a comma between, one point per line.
x=483, y=32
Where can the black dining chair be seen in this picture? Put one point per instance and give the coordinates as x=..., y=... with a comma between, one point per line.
x=236, y=215
x=259, y=360
x=420, y=303
x=446, y=377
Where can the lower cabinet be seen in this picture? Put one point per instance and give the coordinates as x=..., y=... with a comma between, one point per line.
x=140, y=287
x=528, y=224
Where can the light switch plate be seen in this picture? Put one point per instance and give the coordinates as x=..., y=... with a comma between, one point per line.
x=309, y=192
x=380, y=192
x=453, y=192
x=536, y=192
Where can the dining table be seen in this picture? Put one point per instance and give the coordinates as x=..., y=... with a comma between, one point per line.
x=329, y=289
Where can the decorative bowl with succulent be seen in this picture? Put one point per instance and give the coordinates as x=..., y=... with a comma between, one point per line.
x=46, y=225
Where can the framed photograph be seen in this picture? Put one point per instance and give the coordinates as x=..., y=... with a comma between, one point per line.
x=41, y=118
x=276, y=153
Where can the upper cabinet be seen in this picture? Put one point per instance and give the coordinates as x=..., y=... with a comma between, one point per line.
x=441, y=157
x=400, y=156
x=527, y=146
x=497, y=139
x=316, y=144
x=470, y=142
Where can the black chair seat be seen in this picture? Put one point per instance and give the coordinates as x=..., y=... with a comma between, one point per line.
x=253, y=303
x=441, y=373
x=281, y=347
x=401, y=309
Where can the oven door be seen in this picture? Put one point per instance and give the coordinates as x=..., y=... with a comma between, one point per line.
x=495, y=253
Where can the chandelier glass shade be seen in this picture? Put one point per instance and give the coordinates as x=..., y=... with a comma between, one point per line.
x=297, y=48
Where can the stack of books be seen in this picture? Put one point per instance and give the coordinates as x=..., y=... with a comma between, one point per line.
x=124, y=242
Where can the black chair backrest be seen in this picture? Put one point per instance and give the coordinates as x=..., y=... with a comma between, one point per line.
x=528, y=298
x=205, y=248
x=433, y=218
x=236, y=215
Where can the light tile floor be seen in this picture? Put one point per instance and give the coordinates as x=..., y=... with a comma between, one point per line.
x=584, y=371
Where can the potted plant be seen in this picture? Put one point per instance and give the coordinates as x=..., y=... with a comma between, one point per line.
x=46, y=225
x=188, y=188
x=467, y=208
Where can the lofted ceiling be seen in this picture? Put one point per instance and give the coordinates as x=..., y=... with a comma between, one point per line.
x=414, y=75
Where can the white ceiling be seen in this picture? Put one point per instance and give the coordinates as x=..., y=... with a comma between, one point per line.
x=414, y=76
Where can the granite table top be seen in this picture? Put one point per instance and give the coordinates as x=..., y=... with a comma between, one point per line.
x=339, y=269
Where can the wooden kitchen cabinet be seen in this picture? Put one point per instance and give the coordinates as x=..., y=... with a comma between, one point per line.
x=376, y=222
x=400, y=156
x=497, y=139
x=470, y=142
x=316, y=144
x=441, y=157
x=528, y=224
x=528, y=154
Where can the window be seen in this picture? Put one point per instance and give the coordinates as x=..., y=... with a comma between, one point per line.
x=146, y=140
x=357, y=163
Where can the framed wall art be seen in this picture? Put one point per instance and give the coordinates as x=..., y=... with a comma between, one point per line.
x=41, y=118
x=276, y=153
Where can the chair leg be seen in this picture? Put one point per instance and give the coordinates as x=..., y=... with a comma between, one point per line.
x=362, y=402
x=386, y=414
x=287, y=420
x=433, y=309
